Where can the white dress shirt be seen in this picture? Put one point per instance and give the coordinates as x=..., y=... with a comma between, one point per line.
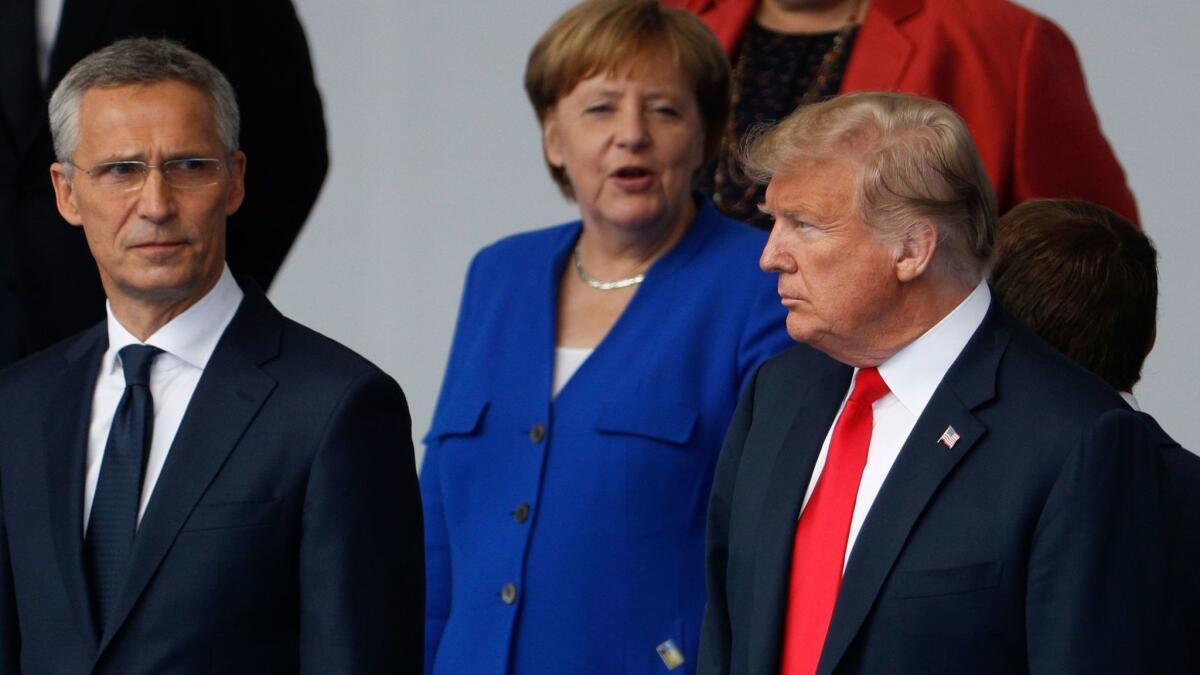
x=912, y=374
x=49, y=14
x=188, y=341
x=567, y=360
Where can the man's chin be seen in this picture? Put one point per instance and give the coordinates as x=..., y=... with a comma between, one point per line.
x=160, y=286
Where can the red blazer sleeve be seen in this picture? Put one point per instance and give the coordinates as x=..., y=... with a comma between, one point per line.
x=1059, y=149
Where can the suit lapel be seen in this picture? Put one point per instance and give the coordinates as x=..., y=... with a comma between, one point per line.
x=790, y=475
x=922, y=465
x=228, y=396
x=66, y=449
x=881, y=51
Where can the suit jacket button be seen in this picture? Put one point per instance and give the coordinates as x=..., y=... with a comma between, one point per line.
x=537, y=433
x=522, y=513
x=509, y=593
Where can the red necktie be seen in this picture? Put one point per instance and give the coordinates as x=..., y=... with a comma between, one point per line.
x=820, y=548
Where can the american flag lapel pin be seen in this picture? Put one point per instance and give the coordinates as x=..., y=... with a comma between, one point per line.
x=949, y=437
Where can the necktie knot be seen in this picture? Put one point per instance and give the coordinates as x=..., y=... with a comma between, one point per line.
x=136, y=361
x=868, y=387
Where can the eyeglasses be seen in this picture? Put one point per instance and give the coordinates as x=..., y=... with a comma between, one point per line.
x=129, y=175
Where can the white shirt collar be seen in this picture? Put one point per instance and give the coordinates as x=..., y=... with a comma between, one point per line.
x=913, y=373
x=1128, y=396
x=192, y=336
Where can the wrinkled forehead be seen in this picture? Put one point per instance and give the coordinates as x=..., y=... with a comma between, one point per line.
x=168, y=112
x=820, y=186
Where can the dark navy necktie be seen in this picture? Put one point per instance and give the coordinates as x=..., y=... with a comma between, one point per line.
x=114, y=513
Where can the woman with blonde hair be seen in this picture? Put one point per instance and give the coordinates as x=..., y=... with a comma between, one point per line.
x=594, y=370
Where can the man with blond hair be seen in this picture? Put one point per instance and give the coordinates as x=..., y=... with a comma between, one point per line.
x=923, y=485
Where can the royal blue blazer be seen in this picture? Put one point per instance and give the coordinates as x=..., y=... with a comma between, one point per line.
x=566, y=534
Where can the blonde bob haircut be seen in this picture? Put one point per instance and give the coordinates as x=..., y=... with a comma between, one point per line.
x=917, y=164
x=607, y=36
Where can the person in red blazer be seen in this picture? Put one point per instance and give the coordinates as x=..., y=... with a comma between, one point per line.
x=1012, y=75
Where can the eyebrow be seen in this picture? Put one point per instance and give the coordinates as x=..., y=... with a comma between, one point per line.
x=141, y=157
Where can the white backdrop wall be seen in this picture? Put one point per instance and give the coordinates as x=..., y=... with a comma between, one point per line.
x=436, y=153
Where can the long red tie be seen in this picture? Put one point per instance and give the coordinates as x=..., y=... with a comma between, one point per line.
x=820, y=547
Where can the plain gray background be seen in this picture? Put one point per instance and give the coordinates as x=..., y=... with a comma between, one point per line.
x=436, y=153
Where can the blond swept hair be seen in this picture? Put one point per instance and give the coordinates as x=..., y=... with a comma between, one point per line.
x=603, y=36
x=917, y=163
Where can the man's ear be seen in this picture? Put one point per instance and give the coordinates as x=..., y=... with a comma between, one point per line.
x=237, y=184
x=916, y=251
x=552, y=141
x=64, y=194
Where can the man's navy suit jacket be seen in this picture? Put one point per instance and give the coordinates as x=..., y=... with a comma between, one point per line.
x=1181, y=486
x=283, y=535
x=1034, y=544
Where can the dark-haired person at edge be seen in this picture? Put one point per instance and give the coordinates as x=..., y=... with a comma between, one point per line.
x=1012, y=75
x=49, y=288
x=1085, y=280
x=594, y=369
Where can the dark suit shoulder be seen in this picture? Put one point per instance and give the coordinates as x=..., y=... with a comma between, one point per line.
x=800, y=362
x=288, y=351
x=1045, y=379
x=29, y=374
x=313, y=358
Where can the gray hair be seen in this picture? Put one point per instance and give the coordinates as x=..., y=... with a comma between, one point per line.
x=917, y=163
x=139, y=61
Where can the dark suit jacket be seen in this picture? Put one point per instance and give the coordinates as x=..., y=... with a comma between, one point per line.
x=1181, y=482
x=1035, y=544
x=49, y=288
x=283, y=535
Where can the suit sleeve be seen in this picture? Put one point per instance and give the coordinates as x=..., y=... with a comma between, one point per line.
x=1060, y=150
x=361, y=570
x=262, y=48
x=10, y=635
x=715, y=633
x=1097, y=571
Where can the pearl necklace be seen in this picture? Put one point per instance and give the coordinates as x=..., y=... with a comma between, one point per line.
x=604, y=285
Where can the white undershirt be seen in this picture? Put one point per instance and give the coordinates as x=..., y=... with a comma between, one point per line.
x=566, y=361
x=188, y=341
x=49, y=13
x=912, y=374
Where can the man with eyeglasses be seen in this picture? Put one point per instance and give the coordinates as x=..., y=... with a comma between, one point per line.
x=197, y=483
x=49, y=289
